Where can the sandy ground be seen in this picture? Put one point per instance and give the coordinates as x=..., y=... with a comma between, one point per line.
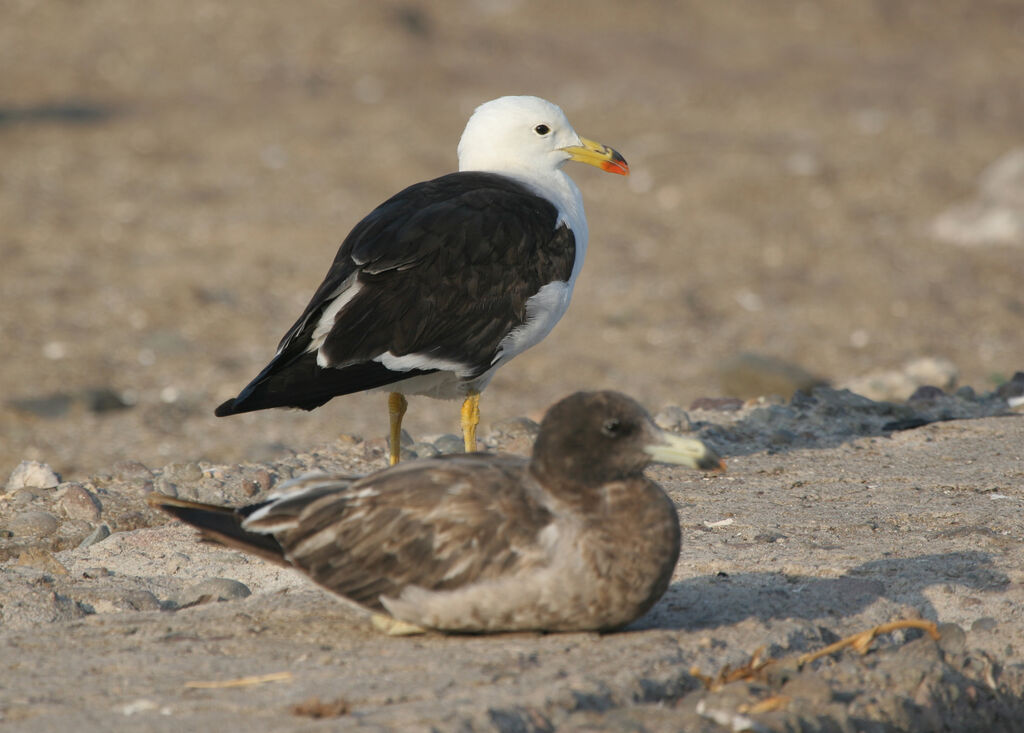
x=176, y=179
x=790, y=550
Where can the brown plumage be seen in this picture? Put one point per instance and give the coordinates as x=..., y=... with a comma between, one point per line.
x=576, y=538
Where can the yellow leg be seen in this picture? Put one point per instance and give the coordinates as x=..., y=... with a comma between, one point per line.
x=470, y=419
x=397, y=405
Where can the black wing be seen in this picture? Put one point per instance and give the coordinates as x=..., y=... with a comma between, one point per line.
x=443, y=269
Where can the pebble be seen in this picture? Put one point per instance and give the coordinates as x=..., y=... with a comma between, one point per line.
x=32, y=474
x=40, y=559
x=953, y=639
x=985, y=623
x=33, y=524
x=79, y=503
x=450, y=443
x=515, y=435
x=672, y=417
x=24, y=497
x=97, y=535
x=182, y=472
x=131, y=471
x=209, y=590
x=165, y=487
x=424, y=450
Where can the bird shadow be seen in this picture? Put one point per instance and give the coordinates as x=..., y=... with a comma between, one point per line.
x=713, y=601
x=65, y=112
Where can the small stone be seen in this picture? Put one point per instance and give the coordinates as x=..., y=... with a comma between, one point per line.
x=33, y=524
x=97, y=535
x=672, y=417
x=165, y=487
x=449, y=443
x=183, y=472
x=262, y=480
x=40, y=559
x=966, y=393
x=32, y=474
x=985, y=623
x=24, y=497
x=79, y=503
x=953, y=639
x=926, y=393
x=131, y=471
x=209, y=590
x=515, y=435
x=424, y=450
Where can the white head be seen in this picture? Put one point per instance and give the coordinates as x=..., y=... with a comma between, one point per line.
x=528, y=135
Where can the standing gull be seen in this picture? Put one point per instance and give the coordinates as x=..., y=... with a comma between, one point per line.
x=575, y=538
x=449, y=279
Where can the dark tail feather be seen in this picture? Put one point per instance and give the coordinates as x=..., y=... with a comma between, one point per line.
x=221, y=524
x=302, y=383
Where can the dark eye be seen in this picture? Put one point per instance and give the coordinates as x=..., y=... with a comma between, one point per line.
x=612, y=427
x=542, y=129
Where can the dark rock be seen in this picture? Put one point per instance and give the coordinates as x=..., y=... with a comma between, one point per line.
x=79, y=503
x=926, y=393
x=33, y=524
x=98, y=535
x=953, y=639
x=985, y=623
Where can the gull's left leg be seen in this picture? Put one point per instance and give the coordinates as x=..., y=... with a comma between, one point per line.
x=470, y=419
x=397, y=405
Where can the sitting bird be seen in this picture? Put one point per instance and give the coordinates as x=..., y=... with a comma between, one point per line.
x=574, y=538
x=447, y=280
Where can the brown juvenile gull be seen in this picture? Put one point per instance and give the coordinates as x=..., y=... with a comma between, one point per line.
x=574, y=538
x=448, y=280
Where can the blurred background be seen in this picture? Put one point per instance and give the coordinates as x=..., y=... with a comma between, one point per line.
x=837, y=185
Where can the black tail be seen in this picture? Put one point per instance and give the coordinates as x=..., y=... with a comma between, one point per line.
x=302, y=383
x=222, y=524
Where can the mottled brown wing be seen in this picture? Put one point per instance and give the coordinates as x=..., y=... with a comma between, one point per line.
x=438, y=526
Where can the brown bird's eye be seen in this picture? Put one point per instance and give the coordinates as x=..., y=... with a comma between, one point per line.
x=612, y=427
x=542, y=129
